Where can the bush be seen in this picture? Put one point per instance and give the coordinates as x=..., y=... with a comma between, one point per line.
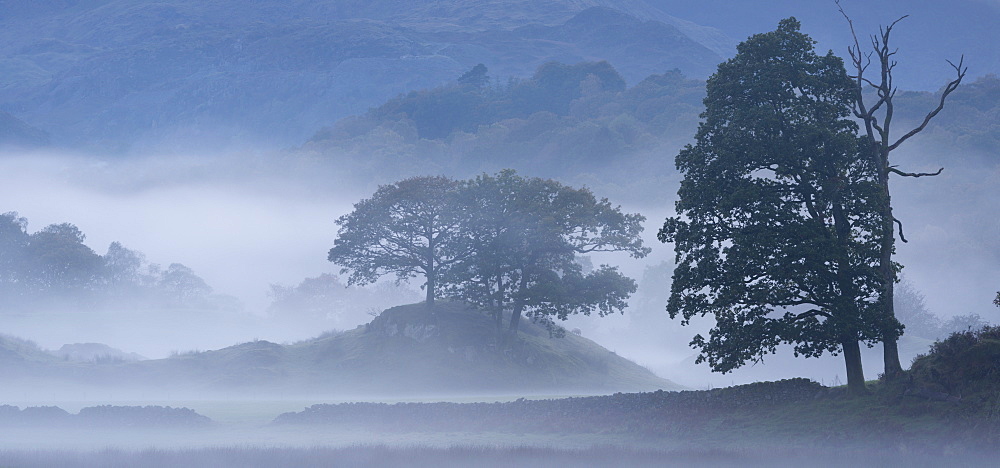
x=964, y=363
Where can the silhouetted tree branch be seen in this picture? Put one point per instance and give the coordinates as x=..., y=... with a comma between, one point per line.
x=877, y=120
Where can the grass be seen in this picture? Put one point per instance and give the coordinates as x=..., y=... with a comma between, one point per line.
x=482, y=456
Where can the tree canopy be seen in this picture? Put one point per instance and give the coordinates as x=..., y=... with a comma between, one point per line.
x=507, y=243
x=775, y=218
x=526, y=234
x=404, y=229
x=54, y=265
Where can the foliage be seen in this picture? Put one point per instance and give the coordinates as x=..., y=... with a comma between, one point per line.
x=405, y=229
x=971, y=122
x=13, y=240
x=912, y=312
x=564, y=116
x=54, y=264
x=181, y=285
x=526, y=234
x=476, y=77
x=58, y=260
x=439, y=112
x=503, y=242
x=773, y=233
x=967, y=361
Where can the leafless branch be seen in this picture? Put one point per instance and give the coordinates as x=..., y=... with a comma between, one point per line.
x=893, y=170
x=960, y=70
x=810, y=313
x=900, y=224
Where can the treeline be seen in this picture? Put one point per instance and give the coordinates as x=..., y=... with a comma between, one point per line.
x=911, y=310
x=970, y=122
x=53, y=266
x=326, y=302
x=571, y=119
x=564, y=116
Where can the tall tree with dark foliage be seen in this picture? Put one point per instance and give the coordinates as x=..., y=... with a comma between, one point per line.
x=776, y=218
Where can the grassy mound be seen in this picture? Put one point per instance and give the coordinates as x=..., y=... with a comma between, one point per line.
x=453, y=348
x=413, y=350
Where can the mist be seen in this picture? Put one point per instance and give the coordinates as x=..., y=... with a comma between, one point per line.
x=240, y=230
x=207, y=152
x=244, y=224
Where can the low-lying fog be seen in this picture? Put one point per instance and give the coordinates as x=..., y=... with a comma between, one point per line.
x=243, y=224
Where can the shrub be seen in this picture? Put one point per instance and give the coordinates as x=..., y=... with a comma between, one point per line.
x=966, y=362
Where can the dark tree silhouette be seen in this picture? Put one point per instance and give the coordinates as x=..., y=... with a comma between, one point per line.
x=774, y=231
x=525, y=235
x=403, y=229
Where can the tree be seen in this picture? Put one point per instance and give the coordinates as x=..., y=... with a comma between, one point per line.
x=183, y=288
x=911, y=309
x=877, y=119
x=122, y=268
x=526, y=235
x=324, y=301
x=404, y=229
x=774, y=233
x=13, y=243
x=476, y=77
x=58, y=260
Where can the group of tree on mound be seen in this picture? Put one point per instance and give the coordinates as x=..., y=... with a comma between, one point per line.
x=53, y=264
x=503, y=242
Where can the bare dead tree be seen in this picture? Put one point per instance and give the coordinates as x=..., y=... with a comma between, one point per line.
x=877, y=118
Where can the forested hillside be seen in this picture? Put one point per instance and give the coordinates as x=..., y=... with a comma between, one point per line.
x=563, y=120
x=124, y=75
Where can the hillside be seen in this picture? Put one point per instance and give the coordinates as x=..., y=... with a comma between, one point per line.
x=125, y=74
x=577, y=122
x=407, y=350
x=121, y=75
x=14, y=132
x=933, y=32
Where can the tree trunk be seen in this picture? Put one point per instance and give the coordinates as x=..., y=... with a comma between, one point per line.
x=515, y=317
x=855, y=371
x=890, y=354
x=498, y=309
x=430, y=272
x=430, y=290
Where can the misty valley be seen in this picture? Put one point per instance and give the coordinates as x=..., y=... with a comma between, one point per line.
x=520, y=233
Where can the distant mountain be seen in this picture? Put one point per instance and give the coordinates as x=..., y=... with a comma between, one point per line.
x=118, y=75
x=934, y=32
x=184, y=74
x=406, y=350
x=14, y=132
